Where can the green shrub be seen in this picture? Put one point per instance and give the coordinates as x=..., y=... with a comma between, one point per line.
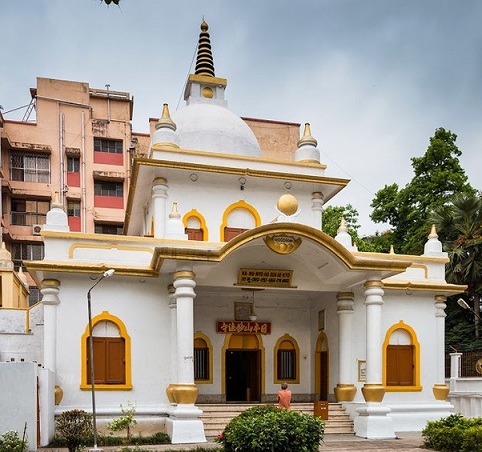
x=75, y=427
x=125, y=422
x=454, y=434
x=11, y=442
x=109, y=440
x=267, y=428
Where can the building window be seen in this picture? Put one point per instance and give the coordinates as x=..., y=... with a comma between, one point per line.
x=399, y=365
x=112, y=358
x=29, y=167
x=26, y=252
x=286, y=360
x=401, y=359
x=73, y=164
x=34, y=295
x=105, y=188
x=238, y=218
x=25, y=212
x=74, y=215
x=109, y=146
x=104, y=228
x=195, y=226
x=203, y=365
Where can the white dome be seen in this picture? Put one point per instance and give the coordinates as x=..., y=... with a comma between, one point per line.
x=213, y=128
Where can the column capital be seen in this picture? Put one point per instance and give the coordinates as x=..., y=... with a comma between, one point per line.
x=185, y=274
x=440, y=305
x=371, y=283
x=50, y=291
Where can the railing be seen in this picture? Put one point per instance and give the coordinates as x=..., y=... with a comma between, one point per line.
x=467, y=364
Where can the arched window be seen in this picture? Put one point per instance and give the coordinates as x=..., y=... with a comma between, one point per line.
x=238, y=218
x=401, y=359
x=203, y=362
x=195, y=226
x=111, y=343
x=286, y=360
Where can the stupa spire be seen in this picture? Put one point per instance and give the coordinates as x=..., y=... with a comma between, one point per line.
x=204, y=61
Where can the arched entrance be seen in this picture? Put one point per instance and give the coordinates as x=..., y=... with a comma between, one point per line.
x=243, y=358
x=322, y=367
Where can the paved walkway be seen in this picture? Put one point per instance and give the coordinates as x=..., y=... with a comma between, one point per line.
x=405, y=442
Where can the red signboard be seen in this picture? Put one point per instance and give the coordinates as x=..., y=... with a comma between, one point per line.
x=243, y=327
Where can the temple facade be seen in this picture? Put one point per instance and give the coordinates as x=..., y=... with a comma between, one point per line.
x=224, y=287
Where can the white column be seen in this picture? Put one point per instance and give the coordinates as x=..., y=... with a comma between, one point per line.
x=183, y=424
x=440, y=388
x=373, y=420
x=454, y=369
x=317, y=208
x=345, y=390
x=159, y=210
x=173, y=308
x=50, y=300
x=184, y=284
x=373, y=302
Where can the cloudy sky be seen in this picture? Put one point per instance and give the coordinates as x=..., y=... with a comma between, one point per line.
x=375, y=78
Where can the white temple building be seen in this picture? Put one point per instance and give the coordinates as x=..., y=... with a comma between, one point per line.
x=225, y=286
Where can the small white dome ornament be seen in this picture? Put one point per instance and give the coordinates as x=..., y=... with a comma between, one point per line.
x=307, y=151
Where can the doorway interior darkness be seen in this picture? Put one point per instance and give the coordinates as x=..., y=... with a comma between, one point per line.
x=243, y=376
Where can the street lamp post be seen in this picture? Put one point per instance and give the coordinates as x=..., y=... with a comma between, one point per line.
x=106, y=274
x=463, y=304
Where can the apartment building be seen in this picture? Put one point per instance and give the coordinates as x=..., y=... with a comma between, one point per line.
x=77, y=143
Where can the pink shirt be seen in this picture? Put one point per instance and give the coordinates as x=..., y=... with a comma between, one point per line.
x=284, y=399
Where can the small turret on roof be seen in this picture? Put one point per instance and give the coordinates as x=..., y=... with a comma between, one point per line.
x=307, y=150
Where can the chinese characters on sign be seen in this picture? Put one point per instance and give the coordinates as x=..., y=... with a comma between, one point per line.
x=243, y=327
x=262, y=277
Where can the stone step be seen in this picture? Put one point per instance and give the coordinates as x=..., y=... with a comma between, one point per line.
x=216, y=416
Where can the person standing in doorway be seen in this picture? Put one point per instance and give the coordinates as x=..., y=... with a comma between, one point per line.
x=284, y=397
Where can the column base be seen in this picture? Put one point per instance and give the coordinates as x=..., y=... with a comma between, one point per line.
x=345, y=392
x=373, y=392
x=440, y=392
x=372, y=422
x=185, y=431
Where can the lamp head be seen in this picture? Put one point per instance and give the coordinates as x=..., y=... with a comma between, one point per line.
x=109, y=272
x=462, y=303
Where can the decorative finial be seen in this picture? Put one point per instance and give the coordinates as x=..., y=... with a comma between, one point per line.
x=392, y=250
x=307, y=138
x=174, y=213
x=165, y=120
x=204, y=61
x=433, y=233
x=342, y=225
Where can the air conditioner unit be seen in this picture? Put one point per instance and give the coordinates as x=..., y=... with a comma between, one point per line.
x=36, y=228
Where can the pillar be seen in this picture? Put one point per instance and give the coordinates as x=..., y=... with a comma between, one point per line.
x=184, y=425
x=345, y=390
x=159, y=210
x=172, y=305
x=440, y=389
x=50, y=300
x=317, y=201
x=373, y=420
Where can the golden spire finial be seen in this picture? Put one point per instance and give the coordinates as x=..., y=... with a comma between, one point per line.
x=56, y=201
x=392, y=250
x=433, y=233
x=165, y=120
x=307, y=138
x=204, y=61
x=342, y=225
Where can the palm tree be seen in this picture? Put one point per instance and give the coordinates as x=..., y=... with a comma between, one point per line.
x=459, y=224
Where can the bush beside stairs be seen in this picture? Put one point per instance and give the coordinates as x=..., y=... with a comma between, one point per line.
x=216, y=416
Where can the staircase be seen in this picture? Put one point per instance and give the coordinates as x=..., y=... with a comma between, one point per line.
x=216, y=416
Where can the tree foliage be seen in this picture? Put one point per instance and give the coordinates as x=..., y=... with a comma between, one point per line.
x=332, y=215
x=437, y=176
x=459, y=226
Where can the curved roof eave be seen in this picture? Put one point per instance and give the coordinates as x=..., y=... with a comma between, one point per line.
x=351, y=261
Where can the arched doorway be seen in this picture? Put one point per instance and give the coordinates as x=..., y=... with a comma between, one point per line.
x=243, y=368
x=322, y=367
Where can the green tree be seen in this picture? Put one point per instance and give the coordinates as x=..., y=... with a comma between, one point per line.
x=459, y=226
x=437, y=176
x=332, y=215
